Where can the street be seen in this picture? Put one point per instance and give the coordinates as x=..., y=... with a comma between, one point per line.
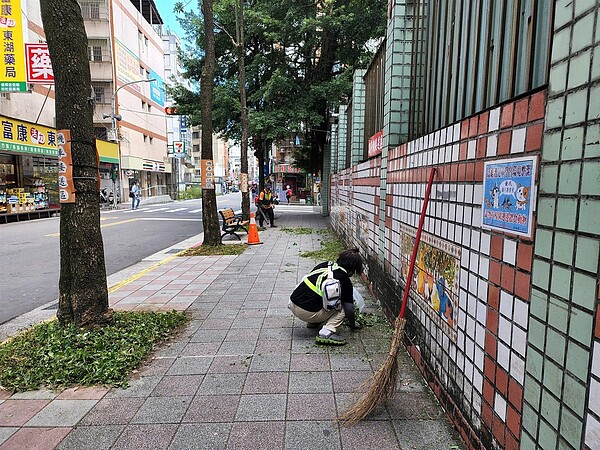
x=30, y=265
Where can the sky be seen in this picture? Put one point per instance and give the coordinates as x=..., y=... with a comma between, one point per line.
x=165, y=8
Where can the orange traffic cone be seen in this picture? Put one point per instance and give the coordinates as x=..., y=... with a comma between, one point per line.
x=253, y=232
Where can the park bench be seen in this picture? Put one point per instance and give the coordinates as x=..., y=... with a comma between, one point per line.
x=232, y=222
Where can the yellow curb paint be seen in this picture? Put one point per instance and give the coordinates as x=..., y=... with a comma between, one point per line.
x=102, y=226
x=141, y=273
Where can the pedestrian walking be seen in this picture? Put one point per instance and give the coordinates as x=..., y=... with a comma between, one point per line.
x=306, y=302
x=288, y=193
x=134, y=193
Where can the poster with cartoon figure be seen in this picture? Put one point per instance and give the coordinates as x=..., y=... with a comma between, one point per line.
x=508, y=194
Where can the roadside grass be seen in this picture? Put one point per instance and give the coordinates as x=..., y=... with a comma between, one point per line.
x=218, y=250
x=52, y=356
x=329, y=251
x=298, y=230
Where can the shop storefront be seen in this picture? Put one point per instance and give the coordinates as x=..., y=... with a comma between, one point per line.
x=288, y=175
x=29, y=169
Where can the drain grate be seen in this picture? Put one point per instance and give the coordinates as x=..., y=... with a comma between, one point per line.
x=175, y=250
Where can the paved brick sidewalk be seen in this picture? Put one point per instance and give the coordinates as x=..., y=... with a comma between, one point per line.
x=244, y=375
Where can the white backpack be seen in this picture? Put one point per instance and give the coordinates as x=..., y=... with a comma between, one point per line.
x=329, y=288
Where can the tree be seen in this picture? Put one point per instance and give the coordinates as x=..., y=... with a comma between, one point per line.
x=83, y=293
x=300, y=56
x=210, y=220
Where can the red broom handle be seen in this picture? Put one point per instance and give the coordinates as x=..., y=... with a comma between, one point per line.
x=413, y=257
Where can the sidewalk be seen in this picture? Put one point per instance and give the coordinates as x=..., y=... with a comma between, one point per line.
x=244, y=375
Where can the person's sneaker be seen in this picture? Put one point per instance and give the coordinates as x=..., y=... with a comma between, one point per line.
x=330, y=339
x=273, y=226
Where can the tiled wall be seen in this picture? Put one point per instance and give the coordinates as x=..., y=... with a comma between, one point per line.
x=562, y=380
x=358, y=117
x=477, y=364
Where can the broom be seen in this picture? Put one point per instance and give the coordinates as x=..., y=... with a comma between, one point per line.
x=383, y=384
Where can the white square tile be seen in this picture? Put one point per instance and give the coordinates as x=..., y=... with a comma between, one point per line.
x=482, y=310
x=468, y=215
x=472, y=309
x=500, y=406
x=506, y=304
x=477, y=194
x=519, y=340
x=518, y=141
x=474, y=263
x=475, y=240
x=472, y=149
x=455, y=152
x=480, y=340
x=494, y=122
x=517, y=368
x=596, y=359
x=509, y=253
x=485, y=244
x=521, y=313
x=469, y=193
x=503, y=356
x=592, y=432
x=504, y=330
x=492, y=146
x=594, y=400
x=466, y=240
x=460, y=193
x=468, y=370
x=484, y=267
x=457, y=131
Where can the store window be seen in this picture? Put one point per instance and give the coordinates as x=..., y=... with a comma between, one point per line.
x=8, y=180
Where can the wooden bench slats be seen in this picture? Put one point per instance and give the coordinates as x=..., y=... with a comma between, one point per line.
x=232, y=223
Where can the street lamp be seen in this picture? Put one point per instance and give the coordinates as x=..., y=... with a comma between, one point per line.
x=114, y=135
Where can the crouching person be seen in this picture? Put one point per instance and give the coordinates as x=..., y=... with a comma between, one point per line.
x=306, y=302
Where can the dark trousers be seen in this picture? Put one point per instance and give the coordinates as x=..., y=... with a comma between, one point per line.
x=267, y=212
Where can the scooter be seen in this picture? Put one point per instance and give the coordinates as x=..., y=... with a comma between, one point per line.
x=106, y=196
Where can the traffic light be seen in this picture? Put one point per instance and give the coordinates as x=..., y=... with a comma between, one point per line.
x=171, y=111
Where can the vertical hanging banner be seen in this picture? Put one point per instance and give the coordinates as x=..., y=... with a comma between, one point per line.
x=39, y=66
x=66, y=189
x=244, y=182
x=207, y=174
x=12, y=52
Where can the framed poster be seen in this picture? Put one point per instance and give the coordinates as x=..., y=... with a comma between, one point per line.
x=508, y=195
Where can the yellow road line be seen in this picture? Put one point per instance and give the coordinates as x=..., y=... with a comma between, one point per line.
x=106, y=225
x=141, y=273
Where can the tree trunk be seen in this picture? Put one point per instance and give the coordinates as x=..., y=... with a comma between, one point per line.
x=210, y=220
x=239, y=26
x=83, y=297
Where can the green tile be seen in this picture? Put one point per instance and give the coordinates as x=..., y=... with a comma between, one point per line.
x=564, y=13
x=553, y=375
x=550, y=409
x=576, y=110
x=584, y=291
x=547, y=438
x=574, y=394
x=551, y=146
x=587, y=254
x=529, y=419
x=558, y=315
x=571, y=428
x=532, y=393
x=558, y=78
x=548, y=179
x=539, y=304
x=527, y=443
x=578, y=361
x=543, y=243
x=590, y=181
x=583, y=33
x=568, y=183
x=583, y=5
x=579, y=69
x=572, y=144
x=592, y=139
x=581, y=326
x=563, y=248
x=566, y=213
x=534, y=361
x=555, y=113
x=561, y=281
x=594, y=111
x=540, y=274
x=589, y=216
x=560, y=46
x=596, y=63
x=546, y=207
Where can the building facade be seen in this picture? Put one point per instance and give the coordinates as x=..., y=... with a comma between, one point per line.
x=500, y=100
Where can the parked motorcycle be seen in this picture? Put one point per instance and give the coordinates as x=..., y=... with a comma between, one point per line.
x=106, y=196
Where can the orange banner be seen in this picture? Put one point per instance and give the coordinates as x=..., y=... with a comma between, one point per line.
x=66, y=188
x=207, y=174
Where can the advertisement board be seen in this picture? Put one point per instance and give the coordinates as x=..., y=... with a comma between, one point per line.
x=157, y=88
x=508, y=193
x=39, y=66
x=66, y=189
x=12, y=72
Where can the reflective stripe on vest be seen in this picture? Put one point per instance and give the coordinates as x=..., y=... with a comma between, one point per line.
x=322, y=275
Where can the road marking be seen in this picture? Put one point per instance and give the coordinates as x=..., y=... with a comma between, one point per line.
x=175, y=219
x=140, y=274
x=175, y=210
x=106, y=225
x=155, y=210
x=128, y=211
x=195, y=211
